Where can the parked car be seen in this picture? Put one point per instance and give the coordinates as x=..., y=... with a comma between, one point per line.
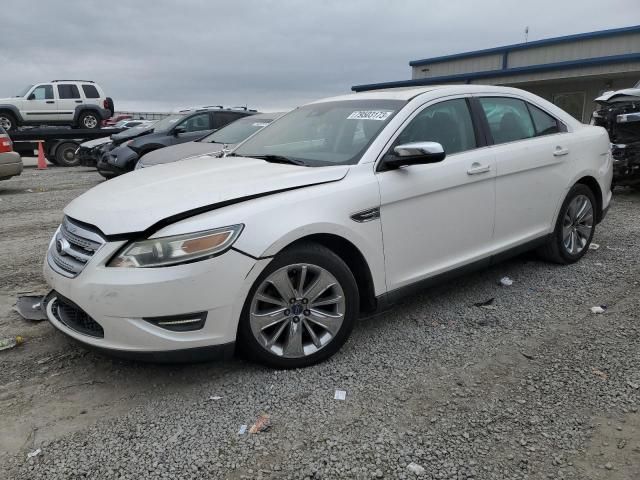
x=339, y=208
x=224, y=139
x=185, y=126
x=78, y=103
x=110, y=122
x=619, y=113
x=88, y=152
x=10, y=161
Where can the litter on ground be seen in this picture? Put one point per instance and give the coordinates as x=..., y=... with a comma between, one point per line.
x=506, y=282
x=7, y=343
x=30, y=307
x=415, y=468
x=34, y=453
x=263, y=423
x=340, y=395
x=597, y=309
x=594, y=246
x=242, y=430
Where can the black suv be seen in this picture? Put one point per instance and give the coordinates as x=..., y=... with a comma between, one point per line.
x=122, y=154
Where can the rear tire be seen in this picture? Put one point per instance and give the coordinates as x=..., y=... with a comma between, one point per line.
x=314, y=323
x=89, y=120
x=8, y=121
x=66, y=155
x=574, y=229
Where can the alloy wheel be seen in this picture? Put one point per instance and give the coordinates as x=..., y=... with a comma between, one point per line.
x=577, y=225
x=297, y=310
x=90, y=121
x=5, y=123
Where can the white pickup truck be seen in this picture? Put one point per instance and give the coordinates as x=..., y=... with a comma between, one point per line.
x=77, y=103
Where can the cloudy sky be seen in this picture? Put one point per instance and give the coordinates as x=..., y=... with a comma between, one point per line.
x=270, y=54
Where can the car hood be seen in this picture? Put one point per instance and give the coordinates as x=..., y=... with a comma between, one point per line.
x=131, y=133
x=146, y=198
x=179, y=152
x=96, y=142
x=614, y=96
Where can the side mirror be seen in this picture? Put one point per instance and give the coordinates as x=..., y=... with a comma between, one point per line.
x=179, y=130
x=416, y=153
x=31, y=97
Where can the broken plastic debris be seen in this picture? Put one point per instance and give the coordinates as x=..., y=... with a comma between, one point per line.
x=243, y=430
x=215, y=397
x=34, y=453
x=506, y=282
x=263, y=423
x=594, y=246
x=340, y=395
x=415, y=468
x=30, y=307
x=7, y=343
x=598, y=309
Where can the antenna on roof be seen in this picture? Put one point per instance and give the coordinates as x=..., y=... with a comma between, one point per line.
x=526, y=34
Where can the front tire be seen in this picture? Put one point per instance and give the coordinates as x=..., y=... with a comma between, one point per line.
x=574, y=229
x=300, y=310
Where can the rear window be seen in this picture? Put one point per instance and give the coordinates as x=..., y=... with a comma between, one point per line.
x=545, y=124
x=220, y=119
x=68, y=91
x=90, y=91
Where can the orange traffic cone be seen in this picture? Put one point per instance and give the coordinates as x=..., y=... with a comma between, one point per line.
x=42, y=163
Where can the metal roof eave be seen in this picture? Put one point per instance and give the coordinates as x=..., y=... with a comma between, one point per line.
x=466, y=77
x=532, y=44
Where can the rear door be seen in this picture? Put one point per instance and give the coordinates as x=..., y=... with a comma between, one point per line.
x=68, y=99
x=532, y=154
x=220, y=119
x=41, y=104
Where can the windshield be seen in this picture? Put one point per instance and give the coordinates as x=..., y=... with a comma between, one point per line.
x=328, y=133
x=167, y=123
x=237, y=131
x=24, y=91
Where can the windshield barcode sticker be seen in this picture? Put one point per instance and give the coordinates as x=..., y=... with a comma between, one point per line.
x=380, y=115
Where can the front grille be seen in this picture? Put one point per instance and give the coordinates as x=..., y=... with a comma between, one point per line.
x=72, y=247
x=75, y=318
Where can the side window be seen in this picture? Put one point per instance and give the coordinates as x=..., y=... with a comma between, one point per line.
x=68, y=91
x=545, y=124
x=43, y=92
x=448, y=123
x=196, y=123
x=90, y=91
x=220, y=119
x=508, y=118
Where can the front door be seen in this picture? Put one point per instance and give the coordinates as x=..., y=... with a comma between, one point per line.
x=195, y=127
x=438, y=216
x=40, y=105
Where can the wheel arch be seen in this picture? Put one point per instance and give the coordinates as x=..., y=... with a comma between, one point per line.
x=13, y=110
x=354, y=259
x=80, y=109
x=594, y=186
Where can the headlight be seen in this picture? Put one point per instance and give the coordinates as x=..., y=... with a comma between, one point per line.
x=165, y=251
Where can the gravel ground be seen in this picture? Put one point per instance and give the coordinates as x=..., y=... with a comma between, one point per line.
x=537, y=387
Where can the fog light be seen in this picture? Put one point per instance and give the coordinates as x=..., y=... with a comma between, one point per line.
x=180, y=323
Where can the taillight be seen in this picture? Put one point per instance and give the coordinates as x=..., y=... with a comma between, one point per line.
x=5, y=144
x=105, y=104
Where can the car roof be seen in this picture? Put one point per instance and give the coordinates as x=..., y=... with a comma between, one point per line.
x=408, y=93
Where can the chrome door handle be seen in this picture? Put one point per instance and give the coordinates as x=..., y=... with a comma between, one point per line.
x=476, y=168
x=559, y=151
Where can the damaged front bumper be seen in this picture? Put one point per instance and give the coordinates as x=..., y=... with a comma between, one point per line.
x=621, y=119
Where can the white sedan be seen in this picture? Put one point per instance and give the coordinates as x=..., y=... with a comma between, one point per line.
x=335, y=210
